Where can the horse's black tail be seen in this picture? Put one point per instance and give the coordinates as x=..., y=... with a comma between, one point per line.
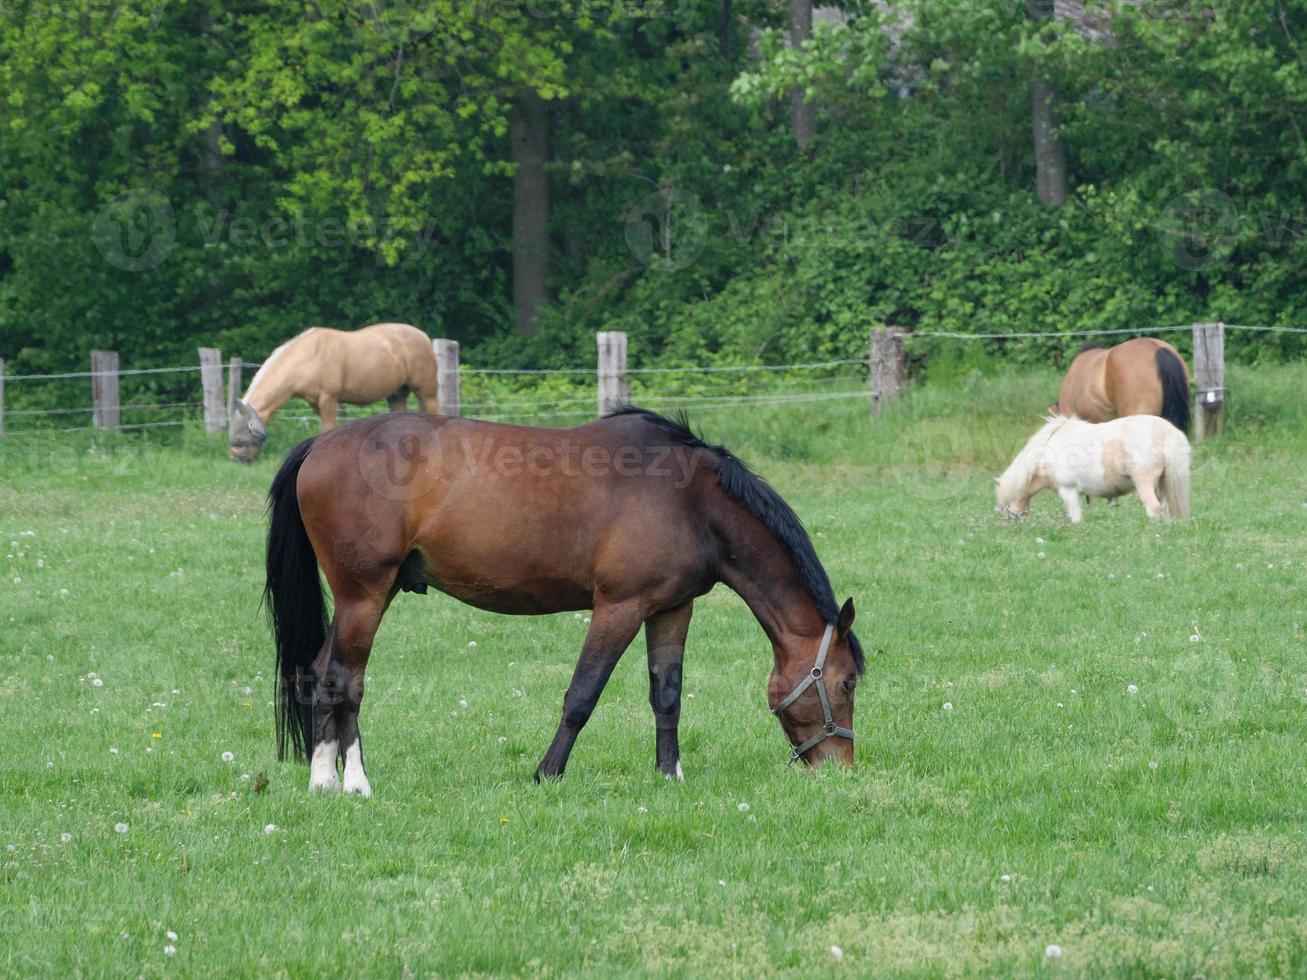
x=293, y=597
x=1175, y=389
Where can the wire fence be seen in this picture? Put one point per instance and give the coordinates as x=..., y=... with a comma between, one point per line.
x=520, y=394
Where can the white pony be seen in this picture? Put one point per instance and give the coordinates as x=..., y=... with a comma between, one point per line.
x=1075, y=457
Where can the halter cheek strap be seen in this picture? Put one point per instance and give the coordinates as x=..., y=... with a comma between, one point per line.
x=815, y=677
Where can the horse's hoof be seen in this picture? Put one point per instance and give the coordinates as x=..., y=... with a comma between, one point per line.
x=359, y=787
x=324, y=785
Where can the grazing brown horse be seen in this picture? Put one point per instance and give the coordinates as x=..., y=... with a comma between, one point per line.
x=1144, y=376
x=632, y=516
x=326, y=367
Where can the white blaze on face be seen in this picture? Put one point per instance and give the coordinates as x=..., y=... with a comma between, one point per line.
x=356, y=781
x=322, y=773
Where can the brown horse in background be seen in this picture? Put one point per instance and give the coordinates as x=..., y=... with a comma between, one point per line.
x=632, y=516
x=1144, y=376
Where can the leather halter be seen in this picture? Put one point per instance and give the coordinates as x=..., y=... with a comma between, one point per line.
x=815, y=677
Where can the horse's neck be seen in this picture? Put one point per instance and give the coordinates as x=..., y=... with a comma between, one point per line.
x=757, y=568
x=280, y=377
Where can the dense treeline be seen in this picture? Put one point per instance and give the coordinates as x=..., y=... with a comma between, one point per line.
x=516, y=174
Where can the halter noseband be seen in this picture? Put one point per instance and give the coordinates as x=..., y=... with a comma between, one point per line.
x=815, y=676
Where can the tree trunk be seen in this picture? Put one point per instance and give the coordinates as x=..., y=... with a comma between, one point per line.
x=805, y=120
x=1050, y=151
x=528, y=134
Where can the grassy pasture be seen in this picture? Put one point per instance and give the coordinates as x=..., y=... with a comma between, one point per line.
x=1010, y=794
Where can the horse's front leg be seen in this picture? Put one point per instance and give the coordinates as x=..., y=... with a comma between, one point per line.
x=612, y=628
x=1071, y=497
x=328, y=412
x=664, y=635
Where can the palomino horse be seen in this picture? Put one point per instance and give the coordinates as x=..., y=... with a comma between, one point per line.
x=1144, y=376
x=326, y=367
x=632, y=516
x=1075, y=457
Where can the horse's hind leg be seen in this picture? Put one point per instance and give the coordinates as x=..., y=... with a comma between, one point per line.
x=1146, y=487
x=339, y=693
x=664, y=635
x=612, y=628
x=398, y=402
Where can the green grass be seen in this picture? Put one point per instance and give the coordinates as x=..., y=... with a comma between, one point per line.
x=1160, y=833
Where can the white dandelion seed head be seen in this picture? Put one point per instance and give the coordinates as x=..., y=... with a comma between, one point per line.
x=948, y=705
x=113, y=751
x=462, y=702
x=1195, y=638
x=1131, y=689
x=170, y=936
x=837, y=954
x=228, y=757
x=169, y=950
x=65, y=837
x=641, y=809
x=97, y=683
x=270, y=828
x=1052, y=951
x=1005, y=878
x=471, y=644
x=121, y=828
x=743, y=808
x=1152, y=765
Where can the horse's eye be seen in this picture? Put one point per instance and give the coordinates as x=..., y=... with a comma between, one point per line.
x=849, y=685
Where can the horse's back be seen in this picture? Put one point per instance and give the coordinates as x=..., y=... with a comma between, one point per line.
x=510, y=518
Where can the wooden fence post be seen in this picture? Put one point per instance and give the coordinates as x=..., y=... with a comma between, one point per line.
x=215, y=410
x=1209, y=379
x=2, y=396
x=448, y=392
x=886, y=373
x=104, y=389
x=613, y=387
x=234, y=369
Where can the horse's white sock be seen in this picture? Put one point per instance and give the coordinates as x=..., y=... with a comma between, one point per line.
x=356, y=780
x=322, y=772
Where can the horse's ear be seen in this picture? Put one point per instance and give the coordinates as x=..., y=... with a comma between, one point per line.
x=845, y=622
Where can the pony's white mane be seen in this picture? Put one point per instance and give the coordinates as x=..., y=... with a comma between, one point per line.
x=1018, y=475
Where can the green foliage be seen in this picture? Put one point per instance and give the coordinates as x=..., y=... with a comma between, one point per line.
x=190, y=172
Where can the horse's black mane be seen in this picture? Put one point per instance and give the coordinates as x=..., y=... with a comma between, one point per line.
x=761, y=500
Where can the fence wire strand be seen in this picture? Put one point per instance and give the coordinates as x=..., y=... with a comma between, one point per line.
x=768, y=393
